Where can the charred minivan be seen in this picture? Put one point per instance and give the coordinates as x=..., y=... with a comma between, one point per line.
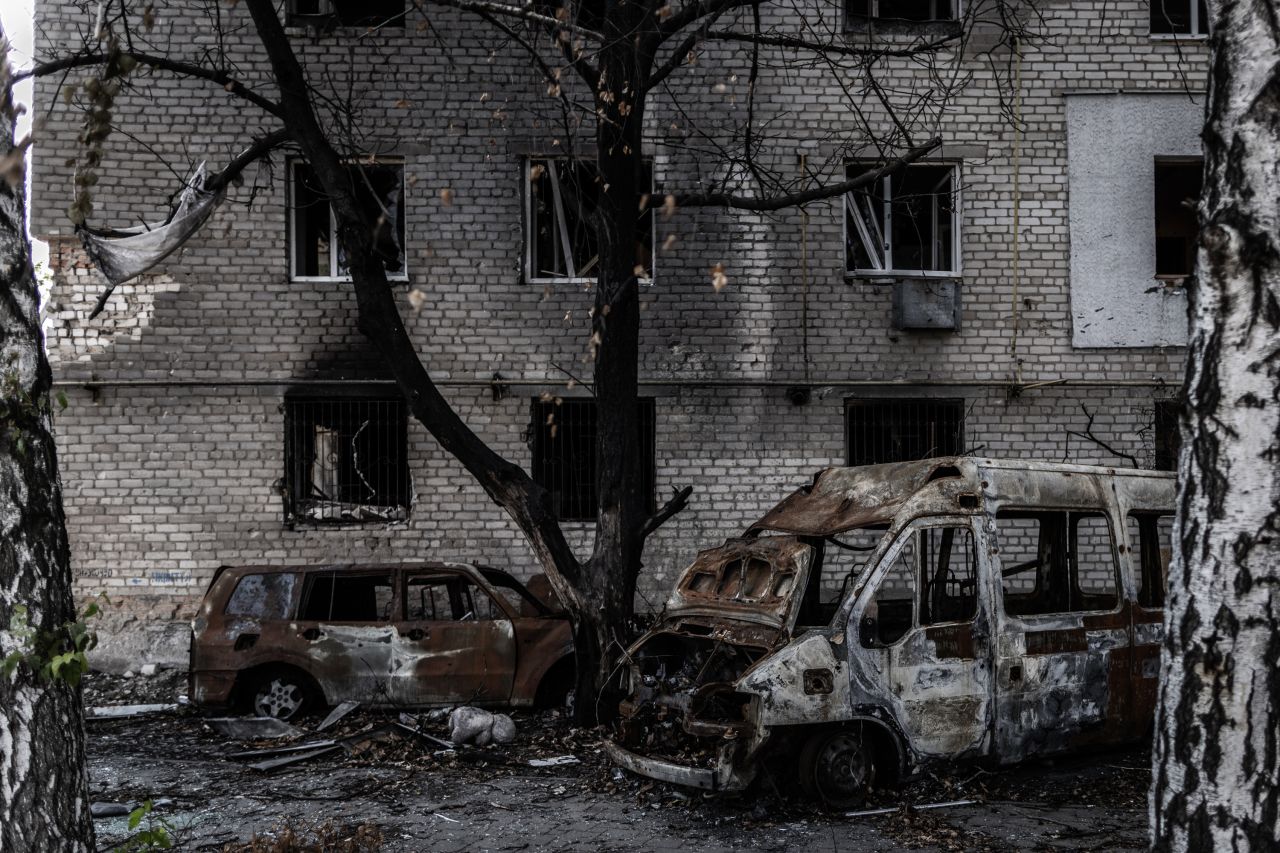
x=280, y=639
x=889, y=615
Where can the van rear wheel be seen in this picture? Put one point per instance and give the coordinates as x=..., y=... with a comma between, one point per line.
x=837, y=768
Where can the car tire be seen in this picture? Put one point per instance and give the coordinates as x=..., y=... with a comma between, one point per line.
x=837, y=768
x=285, y=694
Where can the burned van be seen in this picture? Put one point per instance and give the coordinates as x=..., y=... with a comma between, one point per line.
x=889, y=615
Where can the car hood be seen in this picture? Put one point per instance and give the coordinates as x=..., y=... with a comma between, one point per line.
x=758, y=579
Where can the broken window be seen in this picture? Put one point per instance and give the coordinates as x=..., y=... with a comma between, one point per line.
x=903, y=223
x=563, y=437
x=891, y=612
x=560, y=222
x=1179, y=18
x=347, y=597
x=902, y=10
x=1168, y=435
x=1056, y=562
x=266, y=596
x=836, y=564
x=347, y=13
x=315, y=252
x=346, y=459
x=1153, y=533
x=879, y=431
x=948, y=574
x=1177, y=191
x=449, y=598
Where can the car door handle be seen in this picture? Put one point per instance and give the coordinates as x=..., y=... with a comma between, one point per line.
x=417, y=634
x=311, y=634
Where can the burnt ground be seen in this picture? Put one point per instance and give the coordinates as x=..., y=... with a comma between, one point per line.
x=418, y=797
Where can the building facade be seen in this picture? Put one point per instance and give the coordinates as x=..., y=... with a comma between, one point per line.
x=1017, y=294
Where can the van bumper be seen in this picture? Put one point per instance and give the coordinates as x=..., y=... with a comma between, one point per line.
x=722, y=777
x=212, y=687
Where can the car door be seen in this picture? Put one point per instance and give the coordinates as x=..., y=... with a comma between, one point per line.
x=455, y=643
x=1065, y=642
x=344, y=623
x=925, y=625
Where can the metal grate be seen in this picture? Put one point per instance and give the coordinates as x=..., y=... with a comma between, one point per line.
x=879, y=431
x=1168, y=439
x=346, y=460
x=563, y=437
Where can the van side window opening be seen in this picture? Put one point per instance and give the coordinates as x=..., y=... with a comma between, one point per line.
x=449, y=598
x=337, y=597
x=948, y=575
x=1152, y=534
x=891, y=613
x=265, y=596
x=1056, y=562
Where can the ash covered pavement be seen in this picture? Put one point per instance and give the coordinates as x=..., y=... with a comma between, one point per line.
x=403, y=792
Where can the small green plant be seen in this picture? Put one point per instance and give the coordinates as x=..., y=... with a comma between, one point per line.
x=158, y=834
x=60, y=653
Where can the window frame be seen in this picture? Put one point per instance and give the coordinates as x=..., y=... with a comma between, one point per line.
x=291, y=208
x=566, y=246
x=1072, y=516
x=1199, y=29
x=296, y=517
x=1166, y=162
x=848, y=210
x=294, y=18
x=874, y=15
x=852, y=403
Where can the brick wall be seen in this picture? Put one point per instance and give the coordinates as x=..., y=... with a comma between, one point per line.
x=164, y=482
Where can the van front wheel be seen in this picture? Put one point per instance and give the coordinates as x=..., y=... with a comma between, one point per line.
x=281, y=693
x=837, y=768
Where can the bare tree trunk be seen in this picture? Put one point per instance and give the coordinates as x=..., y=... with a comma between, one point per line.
x=44, y=803
x=1217, y=751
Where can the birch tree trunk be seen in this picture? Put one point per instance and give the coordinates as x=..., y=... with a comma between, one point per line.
x=1217, y=748
x=44, y=801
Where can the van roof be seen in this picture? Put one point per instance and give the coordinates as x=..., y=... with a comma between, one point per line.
x=841, y=499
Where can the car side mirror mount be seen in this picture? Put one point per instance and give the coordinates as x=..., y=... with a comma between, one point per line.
x=869, y=632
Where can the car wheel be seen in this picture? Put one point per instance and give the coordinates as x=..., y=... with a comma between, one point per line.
x=837, y=769
x=281, y=694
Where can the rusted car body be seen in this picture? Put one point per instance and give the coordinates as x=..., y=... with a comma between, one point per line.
x=279, y=639
x=890, y=615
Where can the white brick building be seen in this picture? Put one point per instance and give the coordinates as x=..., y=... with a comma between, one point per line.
x=173, y=445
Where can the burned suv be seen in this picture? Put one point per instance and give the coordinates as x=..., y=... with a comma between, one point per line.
x=278, y=640
x=889, y=615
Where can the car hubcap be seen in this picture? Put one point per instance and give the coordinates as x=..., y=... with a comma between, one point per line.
x=279, y=698
x=843, y=768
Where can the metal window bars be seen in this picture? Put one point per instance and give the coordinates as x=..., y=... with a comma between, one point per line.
x=902, y=430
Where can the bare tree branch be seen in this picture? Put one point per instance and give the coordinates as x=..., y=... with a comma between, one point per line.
x=677, y=502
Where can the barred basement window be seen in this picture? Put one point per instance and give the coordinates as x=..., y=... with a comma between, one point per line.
x=563, y=438
x=347, y=13
x=908, y=223
x=346, y=460
x=1179, y=18
x=879, y=431
x=561, y=199
x=1168, y=439
x=314, y=252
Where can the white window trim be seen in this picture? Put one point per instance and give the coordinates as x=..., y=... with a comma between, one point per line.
x=1199, y=29
x=956, y=270
x=402, y=275
x=565, y=244
x=957, y=5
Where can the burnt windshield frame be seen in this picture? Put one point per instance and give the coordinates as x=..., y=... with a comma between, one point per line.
x=815, y=611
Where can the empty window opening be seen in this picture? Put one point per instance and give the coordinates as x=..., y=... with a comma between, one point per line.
x=903, y=10
x=347, y=597
x=265, y=596
x=879, y=431
x=561, y=243
x=1168, y=435
x=348, y=13
x=315, y=252
x=1178, y=184
x=1056, y=562
x=563, y=434
x=837, y=561
x=346, y=460
x=1179, y=18
x=1152, y=532
x=891, y=611
x=449, y=598
x=948, y=564
x=903, y=223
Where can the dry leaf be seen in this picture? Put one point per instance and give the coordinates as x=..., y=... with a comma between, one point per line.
x=446, y=196
x=417, y=299
x=719, y=280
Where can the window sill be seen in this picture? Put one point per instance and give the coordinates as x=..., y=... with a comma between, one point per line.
x=898, y=27
x=339, y=279
x=891, y=276
x=578, y=282
x=1179, y=36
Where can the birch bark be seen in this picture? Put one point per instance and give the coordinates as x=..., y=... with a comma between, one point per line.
x=43, y=787
x=1218, y=719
